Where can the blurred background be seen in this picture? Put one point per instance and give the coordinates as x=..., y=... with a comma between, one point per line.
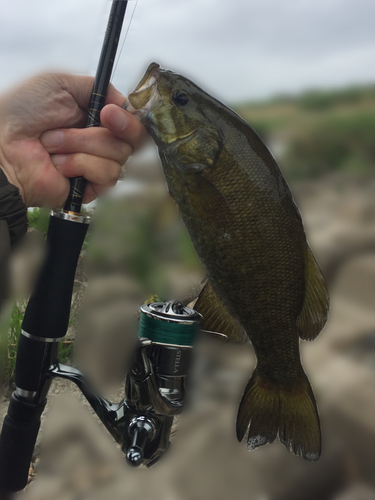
x=301, y=72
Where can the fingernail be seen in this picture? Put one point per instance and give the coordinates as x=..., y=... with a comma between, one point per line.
x=58, y=160
x=117, y=118
x=52, y=138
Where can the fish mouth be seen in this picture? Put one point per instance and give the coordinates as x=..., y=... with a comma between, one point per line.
x=143, y=98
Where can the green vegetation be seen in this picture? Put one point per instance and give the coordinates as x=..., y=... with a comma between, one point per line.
x=318, y=132
x=10, y=331
x=38, y=219
x=326, y=99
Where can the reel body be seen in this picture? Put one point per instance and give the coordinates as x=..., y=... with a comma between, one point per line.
x=155, y=385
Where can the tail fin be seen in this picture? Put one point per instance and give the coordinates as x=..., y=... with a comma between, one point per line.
x=272, y=411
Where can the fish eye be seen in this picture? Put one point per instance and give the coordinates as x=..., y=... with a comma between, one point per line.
x=180, y=98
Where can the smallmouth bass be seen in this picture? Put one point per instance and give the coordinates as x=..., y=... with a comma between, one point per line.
x=248, y=233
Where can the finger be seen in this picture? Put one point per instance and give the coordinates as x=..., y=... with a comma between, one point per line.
x=94, y=169
x=123, y=124
x=41, y=184
x=95, y=141
x=48, y=188
x=93, y=191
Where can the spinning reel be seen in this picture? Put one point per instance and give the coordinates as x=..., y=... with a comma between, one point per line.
x=155, y=383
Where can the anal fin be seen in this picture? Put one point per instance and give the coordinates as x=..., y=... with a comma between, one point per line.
x=314, y=310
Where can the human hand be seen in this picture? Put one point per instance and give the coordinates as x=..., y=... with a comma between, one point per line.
x=42, y=144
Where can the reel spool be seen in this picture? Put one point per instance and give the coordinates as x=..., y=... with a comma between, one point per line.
x=172, y=328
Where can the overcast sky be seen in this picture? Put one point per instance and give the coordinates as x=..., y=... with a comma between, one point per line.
x=236, y=49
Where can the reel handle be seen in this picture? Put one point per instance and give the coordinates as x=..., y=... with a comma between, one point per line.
x=17, y=442
x=142, y=430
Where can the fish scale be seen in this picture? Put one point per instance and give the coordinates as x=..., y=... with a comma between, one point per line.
x=249, y=236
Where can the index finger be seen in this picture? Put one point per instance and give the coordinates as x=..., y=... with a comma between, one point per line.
x=80, y=87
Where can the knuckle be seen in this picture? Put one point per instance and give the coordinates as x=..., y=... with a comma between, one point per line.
x=79, y=159
x=77, y=138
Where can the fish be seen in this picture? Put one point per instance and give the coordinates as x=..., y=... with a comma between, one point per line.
x=264, y=283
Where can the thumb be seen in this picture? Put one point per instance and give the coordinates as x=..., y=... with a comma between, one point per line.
x=123, y=125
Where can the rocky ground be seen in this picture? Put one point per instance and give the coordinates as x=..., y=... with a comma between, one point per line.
x=76, y=459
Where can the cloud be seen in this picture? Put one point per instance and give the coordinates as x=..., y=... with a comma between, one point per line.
x=236, y=49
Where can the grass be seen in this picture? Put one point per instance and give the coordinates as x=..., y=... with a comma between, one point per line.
x=39, y=219
x=9, y=335
x=10, y=331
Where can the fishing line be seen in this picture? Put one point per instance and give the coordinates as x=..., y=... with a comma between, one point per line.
x=123, y=43
x=167, y=332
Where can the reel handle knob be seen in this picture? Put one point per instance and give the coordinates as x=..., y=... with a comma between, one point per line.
x=134, y=456
x=141, y=431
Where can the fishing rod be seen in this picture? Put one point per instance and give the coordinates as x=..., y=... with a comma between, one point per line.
x=73, y=203
x=156, y=381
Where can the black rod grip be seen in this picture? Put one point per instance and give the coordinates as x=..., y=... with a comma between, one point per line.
x=17, y=442
x=34, y=359
x=48, y=310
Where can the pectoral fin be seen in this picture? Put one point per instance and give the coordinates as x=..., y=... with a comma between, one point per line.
x=210, y=204
x=314, y=311
x=216, y=318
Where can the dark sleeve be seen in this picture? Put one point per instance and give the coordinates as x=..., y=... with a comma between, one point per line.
x=13, y=225
x=12, y=210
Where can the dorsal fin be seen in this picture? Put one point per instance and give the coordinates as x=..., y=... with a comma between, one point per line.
x=216, y=318
x=314, y=310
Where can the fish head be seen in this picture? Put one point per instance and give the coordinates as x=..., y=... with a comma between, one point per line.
x=176, y=113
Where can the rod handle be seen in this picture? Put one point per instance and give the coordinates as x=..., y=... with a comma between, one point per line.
x=17, y=442
x=47, y=313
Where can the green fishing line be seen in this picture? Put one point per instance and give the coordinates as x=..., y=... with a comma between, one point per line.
x=167, y=332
